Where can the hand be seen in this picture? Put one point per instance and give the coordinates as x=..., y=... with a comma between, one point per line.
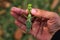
x=44, y=23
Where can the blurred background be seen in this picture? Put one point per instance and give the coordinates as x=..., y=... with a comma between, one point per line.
x=8, y=29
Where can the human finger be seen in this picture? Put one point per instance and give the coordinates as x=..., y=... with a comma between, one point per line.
x=43, y=13
x=20, y=25
x=22, y=19
x=18, y=11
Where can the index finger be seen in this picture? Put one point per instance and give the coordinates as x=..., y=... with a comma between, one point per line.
x=18, y=11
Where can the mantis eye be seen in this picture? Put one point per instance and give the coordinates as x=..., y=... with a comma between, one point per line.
x=29, y=6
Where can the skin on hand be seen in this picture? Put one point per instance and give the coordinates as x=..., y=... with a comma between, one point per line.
x=51, y=23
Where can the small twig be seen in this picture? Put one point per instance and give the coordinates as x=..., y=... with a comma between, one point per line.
x=54, y=4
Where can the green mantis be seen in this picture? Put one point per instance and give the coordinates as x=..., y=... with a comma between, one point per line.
x=29, y=24
x=29, y=18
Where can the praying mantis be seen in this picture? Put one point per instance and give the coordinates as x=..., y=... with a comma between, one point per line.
x=29, y=18
x=29, y=24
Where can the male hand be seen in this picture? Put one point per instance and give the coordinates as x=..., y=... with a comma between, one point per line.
x=42, y=26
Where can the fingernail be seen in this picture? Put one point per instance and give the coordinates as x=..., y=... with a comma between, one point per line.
x=13, y=8
x=33, y=11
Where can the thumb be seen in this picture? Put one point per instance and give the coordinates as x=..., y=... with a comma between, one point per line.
x=36, y=12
